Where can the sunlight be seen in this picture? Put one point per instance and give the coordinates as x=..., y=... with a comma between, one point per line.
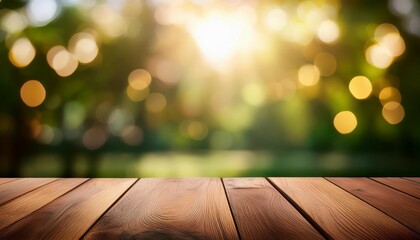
x=220, y=36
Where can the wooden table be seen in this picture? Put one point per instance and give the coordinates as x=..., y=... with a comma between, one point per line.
x=210, y=208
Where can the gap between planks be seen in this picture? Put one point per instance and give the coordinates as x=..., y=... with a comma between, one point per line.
x=334, y=209
x=300, y=210
x=110, y=206
x=230, y=208
x=385, y=204
x=403, y=185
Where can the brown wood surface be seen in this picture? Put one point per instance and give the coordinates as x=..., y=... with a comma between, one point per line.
x=403, y=185
x=340, y=214
x=261, y=212
x=5, y=180
x=169, y=209
x=10, y=190
x=25, y=204
x=71, y=215
x=198, y=208
x=414, y=179
x=402, y=207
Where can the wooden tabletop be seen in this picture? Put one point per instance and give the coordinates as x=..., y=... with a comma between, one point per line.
x=210, y=208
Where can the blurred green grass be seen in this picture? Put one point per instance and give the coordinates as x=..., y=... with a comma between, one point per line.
x=224, y=164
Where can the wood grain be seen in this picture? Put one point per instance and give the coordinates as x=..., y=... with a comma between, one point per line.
x=261, y=212
x=340, y=214
x=169, y=209
x=400, y=206
x=403, y=185
x=5, y=180
x=71, y=215
x=25, y=204
x=414, y=179
x=12, y=189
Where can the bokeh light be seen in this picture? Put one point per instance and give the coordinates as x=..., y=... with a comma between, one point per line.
x=32, y=93
x=384, y=29
x=389, y=94
x=275, y=19
x=132, y=135
x=13, y=22
x=126, y=78
x=389, y=45
x=308, y=75
x=196, y=130
x=379, y=56
x=155, y=102
x=94, y=138
x=328, y=31
x=139, y=79
x=402, y=7
x=167, y=72
x=137, y=95
x=109, y=21
x=393, y=112
x=22, y=52
x=62, y=61
x=360, y=87
x=83, y=46
x=119, y=120
x=41, y=12
x=345, y=122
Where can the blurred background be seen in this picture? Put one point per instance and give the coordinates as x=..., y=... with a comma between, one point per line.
x=180, y=88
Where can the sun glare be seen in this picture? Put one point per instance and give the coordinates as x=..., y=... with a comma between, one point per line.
x=220, y=36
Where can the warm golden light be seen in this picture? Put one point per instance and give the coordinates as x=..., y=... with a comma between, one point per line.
x=137, y=95
x=308, y=75
x=139, y=79
x=345, y=122
x=389, y=46
x=155, y=102
x=360, y=87
x=275, y=19
x=379, y=56
x=389, y=94
x=83, y=46
x=328, y=31
x=384, y=29
x=109, y=21
x=167, y=72
x=13, y=21
x=32, y=93
x=394, y=43
x=63, y=62
x=22, y=53
x=393, y=112
x=220, y=36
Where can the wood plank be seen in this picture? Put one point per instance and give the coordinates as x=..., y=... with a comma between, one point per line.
x=169, y=209
x=400, y=206
x=403, y=185
x=10, y=190
x=414, y=179
x=71, y=215
x=25, y=204
x=339, y=213
x=5, y=180
x=261, y=212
